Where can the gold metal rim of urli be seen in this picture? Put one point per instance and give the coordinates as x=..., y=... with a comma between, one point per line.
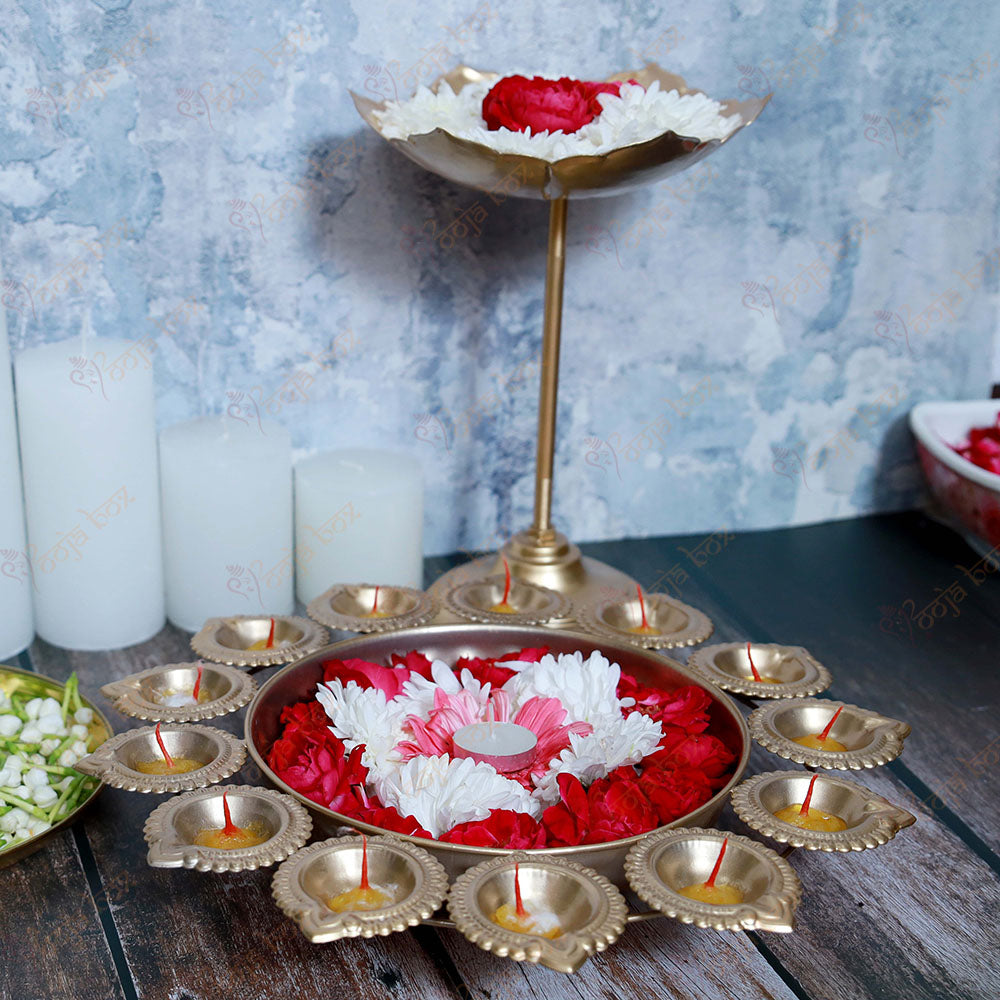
x=207, y=646
x=169, y=852
x=887, y=737
x=320, y=924
x=102, y=763
x=320, y=610
x=699, y=626
x=883, y=822
x=817, y=678
x=565, y=953
x=556, y=606
x=775, y=909
x=127, y=695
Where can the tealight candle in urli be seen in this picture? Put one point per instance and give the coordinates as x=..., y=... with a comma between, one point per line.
x=505, y=607
x=516, y=918
x=231, y=837
x=365, y=896
x=375, y=613
x=169, y=765
x=645, y=628
x=756, y=674
x=799, y=814
x=265, y=644
x=709, y=892
x=823, y=740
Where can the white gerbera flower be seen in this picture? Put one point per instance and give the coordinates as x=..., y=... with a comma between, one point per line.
x=440, y=792
x=362, y=715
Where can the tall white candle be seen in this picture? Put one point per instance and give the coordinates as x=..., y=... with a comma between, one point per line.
x=227, y=519
x=359, y=517
x=88, y=449
x=16, y=626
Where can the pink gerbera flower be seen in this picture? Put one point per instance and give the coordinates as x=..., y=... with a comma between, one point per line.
x=432, y=737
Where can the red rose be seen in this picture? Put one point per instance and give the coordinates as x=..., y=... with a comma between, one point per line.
x=390, y=680
x=564, y=105
x=307, y=715
x=675, y=791
x=685, y=706
x=698, y=750
x=567, y=822
x=415, y=662
x=502, y=828
x=388, y=818
x=313, y=763
x=619, y=808
x=488, y=670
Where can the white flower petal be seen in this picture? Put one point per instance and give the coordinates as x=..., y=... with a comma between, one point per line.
x=362, y=715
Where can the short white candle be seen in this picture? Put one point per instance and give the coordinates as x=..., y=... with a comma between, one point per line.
x=16, y=625
x=88, y=450
x=505, y=745
x=227, y=520
x=359, y=517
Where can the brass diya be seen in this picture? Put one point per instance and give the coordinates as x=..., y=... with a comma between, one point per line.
x=672, y=623
x=540, y=554
x=348, y=607
x=304, y=885
x=589, y=910
x=871, y=820
x=142, y=695
x=221, y=754
x=871, y=739
x=228, y=640
x=171, y=828
x=533, y=604
x=797, y=672
x=661, y=864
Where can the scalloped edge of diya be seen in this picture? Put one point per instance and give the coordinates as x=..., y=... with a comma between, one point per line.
x=128, y=699
x=886, y=742
x=881, y=822
x=321, y=924
x=544, y=605
x=422, y=608
x=815, y=677
x=207, y=644
x=697, y=628
x=230, y=754
x=565, y=953
x=168, y=850
x=772, y=910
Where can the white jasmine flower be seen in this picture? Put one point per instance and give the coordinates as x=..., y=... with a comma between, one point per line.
x=9, y=725
x=85, y=716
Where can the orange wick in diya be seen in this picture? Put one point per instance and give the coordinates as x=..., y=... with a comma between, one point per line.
x=197, y=682
x=504, y=607
x=169, y=765
x=756, y=673
x=516, y=918
x=801, y=815
x=261, y=643
x=365, y=896
x=823, y=740
x=645, y=628
x=709, y=892
x=375, y=613
x=231, y=837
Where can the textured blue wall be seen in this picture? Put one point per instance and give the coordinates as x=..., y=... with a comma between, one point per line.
x=762, y=289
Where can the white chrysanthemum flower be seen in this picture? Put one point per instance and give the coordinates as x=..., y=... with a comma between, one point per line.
x=440, y=792
x=362, y=715
x=595, y=756
x=417, y=696
x=636, y=115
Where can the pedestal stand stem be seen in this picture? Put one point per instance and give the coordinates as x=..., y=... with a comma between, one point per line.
x=548, y=392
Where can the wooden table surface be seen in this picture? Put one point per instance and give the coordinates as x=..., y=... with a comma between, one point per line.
x=86, y=919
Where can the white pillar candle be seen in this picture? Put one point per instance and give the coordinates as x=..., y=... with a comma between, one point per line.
x=359, y=518
x=227, y=520
x=16, y=626
x=88, y=449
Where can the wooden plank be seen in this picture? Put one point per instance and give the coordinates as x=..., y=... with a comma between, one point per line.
x=52, y=945
x=187, y=933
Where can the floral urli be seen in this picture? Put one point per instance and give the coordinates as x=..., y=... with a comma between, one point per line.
x=614, y=757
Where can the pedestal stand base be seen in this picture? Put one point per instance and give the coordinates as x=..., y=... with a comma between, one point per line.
x=548, y=559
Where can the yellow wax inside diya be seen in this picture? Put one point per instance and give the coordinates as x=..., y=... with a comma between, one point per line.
x=717, y=895
x=543, y=924
x=180, y=765
x=503, y=608
x=761, y=680
x=811, y=819
x=249, y=836
x=262, y=644
x=377, y=614
x=814, y=742
x=371, y=898
x=644, y=630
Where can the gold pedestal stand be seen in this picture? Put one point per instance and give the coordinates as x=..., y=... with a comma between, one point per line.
x=540, y=554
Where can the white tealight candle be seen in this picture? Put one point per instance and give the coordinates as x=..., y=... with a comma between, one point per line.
x=227, y=520
x=505, y=745
x=88, y=448
x=16, y=626
x=359, y=517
